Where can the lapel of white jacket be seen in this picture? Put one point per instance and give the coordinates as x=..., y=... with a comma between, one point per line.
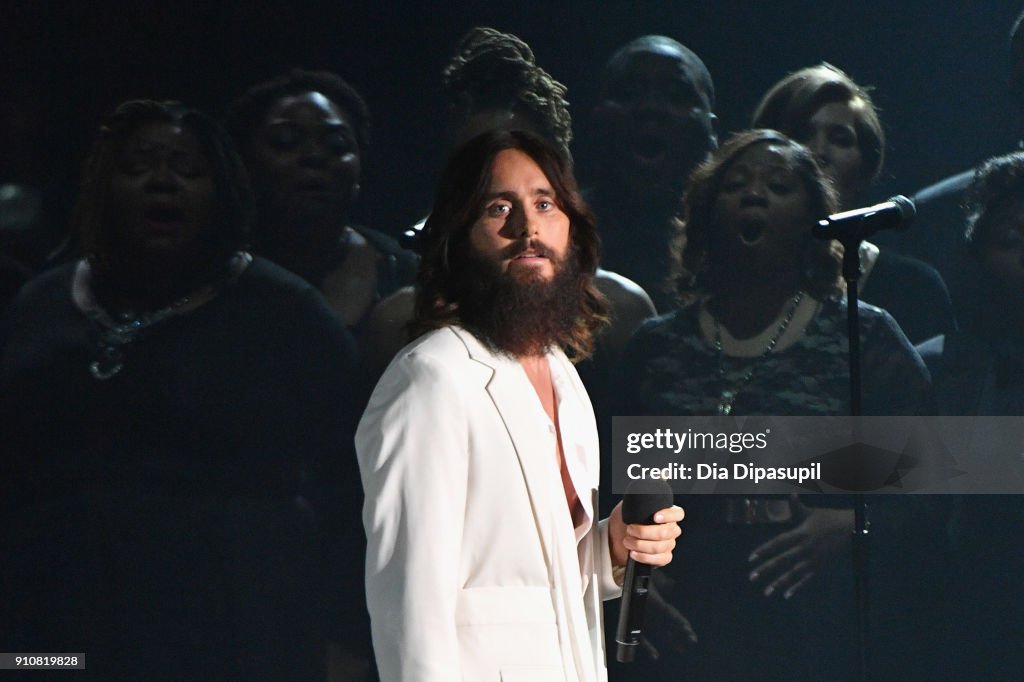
x=512, y=394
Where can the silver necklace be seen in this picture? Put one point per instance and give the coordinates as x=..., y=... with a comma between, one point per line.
x=728, y=394
x=120, y=330
x=117, y=333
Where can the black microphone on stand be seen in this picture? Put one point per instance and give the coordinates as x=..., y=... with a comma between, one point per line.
x=860, y=223
x=639, y=504
x=851, y=228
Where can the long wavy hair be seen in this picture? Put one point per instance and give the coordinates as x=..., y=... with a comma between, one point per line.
x=460, y=199
x=692, y=255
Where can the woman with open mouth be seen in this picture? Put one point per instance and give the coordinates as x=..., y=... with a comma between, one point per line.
x=174, y=415
x=762, y=331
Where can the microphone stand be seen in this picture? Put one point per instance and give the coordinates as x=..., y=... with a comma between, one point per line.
x=851, y=274
x=854, y=226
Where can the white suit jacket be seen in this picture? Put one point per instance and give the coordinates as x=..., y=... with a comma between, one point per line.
x=473, y=569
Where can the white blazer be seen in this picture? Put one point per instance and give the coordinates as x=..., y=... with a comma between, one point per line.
x=473, y=569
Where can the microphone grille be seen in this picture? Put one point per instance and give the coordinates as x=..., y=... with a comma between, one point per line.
x=643, y=498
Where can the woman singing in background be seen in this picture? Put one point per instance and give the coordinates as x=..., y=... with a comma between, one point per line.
x=762, y=331
x=175, y=416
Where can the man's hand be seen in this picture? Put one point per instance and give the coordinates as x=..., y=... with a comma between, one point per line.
x=789, y=560
x=647, y=544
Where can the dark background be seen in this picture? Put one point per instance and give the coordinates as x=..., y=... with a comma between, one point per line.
x=939, y=70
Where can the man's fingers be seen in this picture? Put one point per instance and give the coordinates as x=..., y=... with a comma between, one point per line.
x=654, y=531
x=653, y=543
x=673, y=514
x=653, y=552
x=643, y=546
x=656, y=560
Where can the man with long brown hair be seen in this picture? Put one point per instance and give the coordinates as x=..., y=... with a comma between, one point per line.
x=478, y=451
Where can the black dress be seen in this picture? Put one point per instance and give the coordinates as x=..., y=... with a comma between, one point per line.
x=913, y=293
x=169, y=521
x=669, y=369
x=979, y=371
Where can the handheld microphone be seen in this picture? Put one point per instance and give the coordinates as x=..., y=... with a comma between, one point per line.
x=860, y=223
x=641, y=501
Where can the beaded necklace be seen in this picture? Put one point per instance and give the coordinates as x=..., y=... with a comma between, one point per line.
x=122, y=329
x=729, y=393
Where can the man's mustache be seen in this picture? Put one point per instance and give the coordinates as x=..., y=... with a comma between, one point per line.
x=534, y=246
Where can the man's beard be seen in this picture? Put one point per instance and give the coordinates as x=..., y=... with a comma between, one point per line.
x=518, y=311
